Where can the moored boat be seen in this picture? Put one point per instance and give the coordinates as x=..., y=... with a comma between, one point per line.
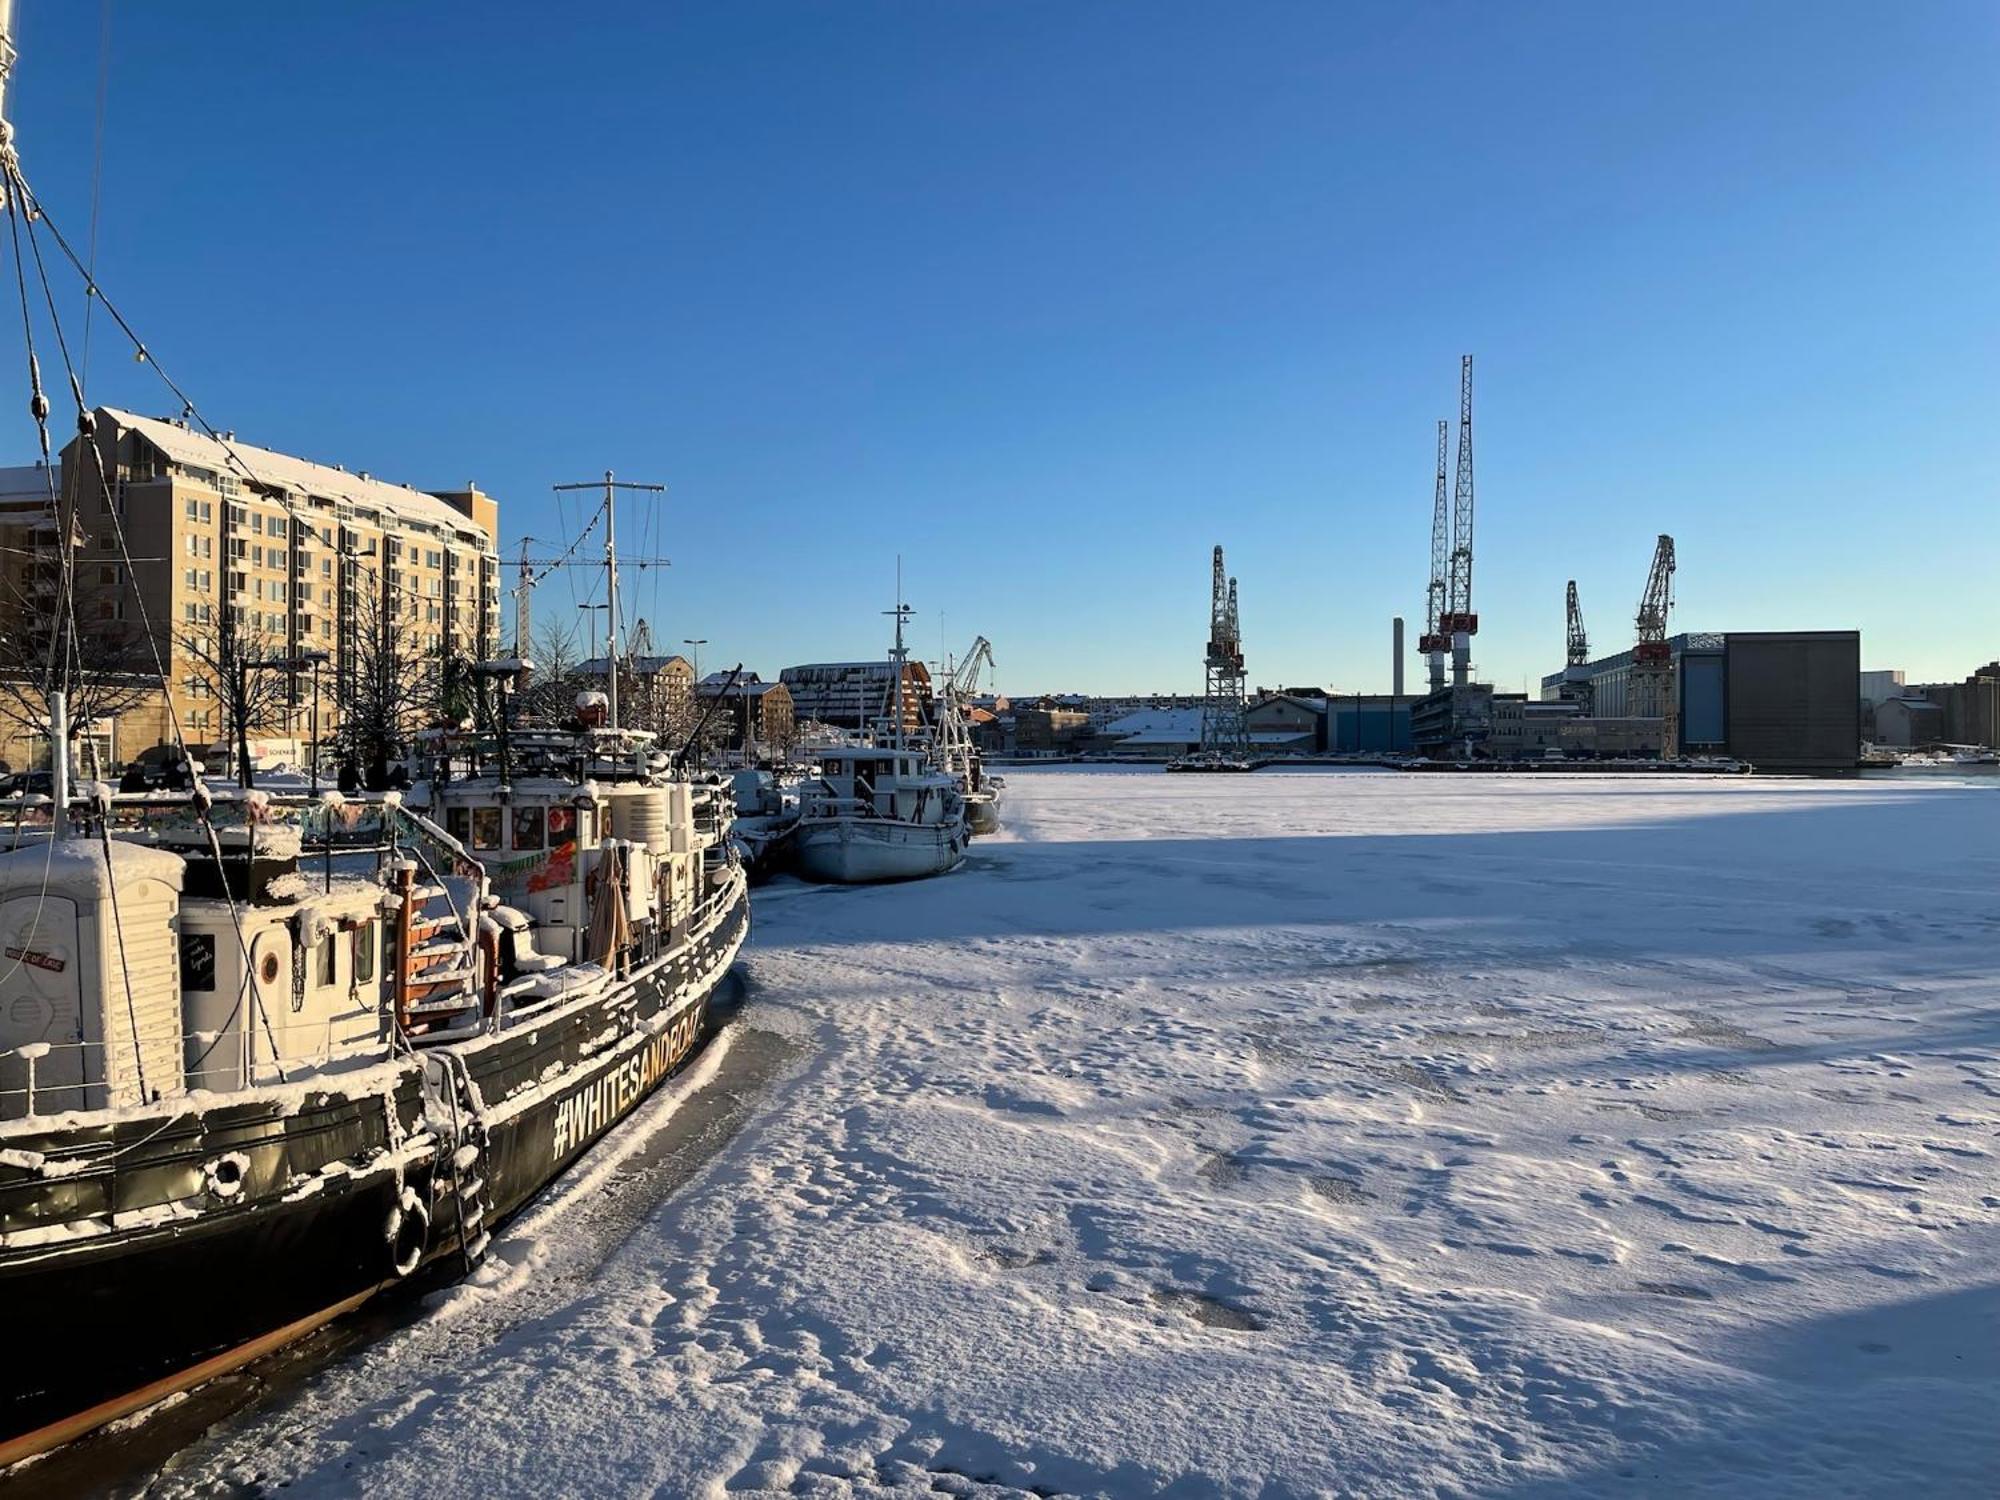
x=956, y=753
x=313, y=1088
x=881, y=812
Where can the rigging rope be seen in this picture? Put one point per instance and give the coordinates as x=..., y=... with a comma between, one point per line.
x=86, y=430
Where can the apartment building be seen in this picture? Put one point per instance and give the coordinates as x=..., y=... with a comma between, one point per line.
x=312, y=557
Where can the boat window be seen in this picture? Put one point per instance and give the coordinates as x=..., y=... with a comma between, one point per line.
x=458, y=822
x=527, y=828
x=326, y=959
x=486, y=828
x=364, y=953
x=562, y=827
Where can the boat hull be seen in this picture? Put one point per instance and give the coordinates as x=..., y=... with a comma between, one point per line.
x=982, y=813
x=859, y=851
x=344, y=1192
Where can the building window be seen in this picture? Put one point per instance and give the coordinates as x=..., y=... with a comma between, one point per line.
x=326, y=962
x=257, y=523
x=364, y=953
x=193, y=510
x=237, y=515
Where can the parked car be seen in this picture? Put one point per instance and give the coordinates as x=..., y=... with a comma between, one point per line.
x=28, y=784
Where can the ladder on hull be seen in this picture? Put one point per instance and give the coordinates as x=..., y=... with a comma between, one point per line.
x=465, y=1184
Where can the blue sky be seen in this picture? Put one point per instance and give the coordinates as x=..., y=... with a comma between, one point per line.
x=1051, y=298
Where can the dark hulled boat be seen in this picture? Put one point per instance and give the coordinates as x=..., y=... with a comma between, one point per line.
x=323, y=1087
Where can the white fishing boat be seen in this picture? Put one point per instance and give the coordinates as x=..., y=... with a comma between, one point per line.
x=881, y=812
x=957, y=756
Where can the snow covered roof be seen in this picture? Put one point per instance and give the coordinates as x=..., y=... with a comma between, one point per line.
x=299, y=475
x=75, y=867
x=1157, y=726
x=27, y=483
x=645, y=666
x=717, y=685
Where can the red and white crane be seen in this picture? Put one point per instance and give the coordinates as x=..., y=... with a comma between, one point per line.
x=1460, y=622
x=1652, y=658
x=1435, y=643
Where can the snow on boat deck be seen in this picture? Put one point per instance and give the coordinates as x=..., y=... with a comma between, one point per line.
x=1307, y=1134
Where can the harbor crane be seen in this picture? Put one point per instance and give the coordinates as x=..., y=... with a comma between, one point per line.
x=1222, y=731
x=1576, y=687
x=1653, y=695
x=965, y=676
x=1435, y=643
x=1460, y=622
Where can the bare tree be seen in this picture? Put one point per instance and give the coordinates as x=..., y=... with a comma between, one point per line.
x=105, y=666
x=550, y=693
x=244, y=668
x=392, y=688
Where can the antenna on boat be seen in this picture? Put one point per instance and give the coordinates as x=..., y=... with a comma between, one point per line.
x=900, y=654
x=611, y=488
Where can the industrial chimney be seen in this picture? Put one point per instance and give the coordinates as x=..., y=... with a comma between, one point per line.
x=1396, y=671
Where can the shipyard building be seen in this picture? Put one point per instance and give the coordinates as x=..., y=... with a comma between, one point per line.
x=1783, y=700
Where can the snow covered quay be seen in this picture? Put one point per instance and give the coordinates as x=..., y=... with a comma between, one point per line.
x=1301, y=1134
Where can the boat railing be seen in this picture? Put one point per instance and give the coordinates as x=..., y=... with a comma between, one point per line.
x=28, y=1071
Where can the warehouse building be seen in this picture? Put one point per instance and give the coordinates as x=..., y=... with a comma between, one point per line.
x=1782, y=700
x=1368, y=723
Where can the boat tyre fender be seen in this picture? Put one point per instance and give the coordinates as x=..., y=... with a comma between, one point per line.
x=409, y=1232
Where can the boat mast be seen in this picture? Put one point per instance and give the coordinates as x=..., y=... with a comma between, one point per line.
x=611, y=488
x=7, y=55
x=611, y=590
x=900, y=653
x=58, y=696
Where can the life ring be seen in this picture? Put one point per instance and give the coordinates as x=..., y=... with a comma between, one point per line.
x=408, y=1232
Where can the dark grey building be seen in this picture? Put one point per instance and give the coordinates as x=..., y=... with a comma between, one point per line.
x=1793, y=698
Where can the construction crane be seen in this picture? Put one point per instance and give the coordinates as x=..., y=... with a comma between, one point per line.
x=1579, y=643
x=1435, y=643
x=1222, y=731
x=1459, y=622
x=1576, y=686
x=1652, y=658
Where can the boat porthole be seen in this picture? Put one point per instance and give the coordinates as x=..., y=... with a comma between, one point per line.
x=223, y=1176
x=269, y=970
x=409, y=1231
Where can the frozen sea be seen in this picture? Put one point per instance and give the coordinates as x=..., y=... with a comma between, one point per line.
x=1294, y=1134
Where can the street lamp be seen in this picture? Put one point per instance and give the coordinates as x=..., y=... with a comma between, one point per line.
x=315, y=660
x=697, y=655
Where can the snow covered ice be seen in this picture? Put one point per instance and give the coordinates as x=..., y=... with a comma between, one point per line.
x=1295, y=1134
